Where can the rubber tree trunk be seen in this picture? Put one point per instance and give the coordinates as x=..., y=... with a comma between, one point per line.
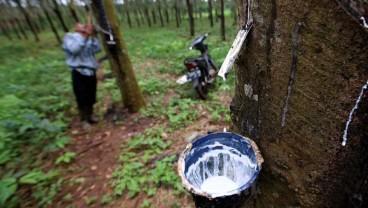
x=160, y=13
x=28, y=20
x=137, y=18
x=118, y=56
x=148, y=18
x=59, y=16
x=166, y=12
x=234, y=11
x=5, y=30
x=20, y=26
x=153, y=16
x=73, y=11
x=177, y=18
x=210, y=17
x=297, y=80
x=127, y=9
x=53, y=28
x=191, y=18
x=15, y=28
x=222, y=18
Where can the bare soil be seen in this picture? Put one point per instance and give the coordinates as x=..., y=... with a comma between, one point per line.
x=88, y=177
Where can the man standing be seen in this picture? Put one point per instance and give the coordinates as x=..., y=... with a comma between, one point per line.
x=80, y=48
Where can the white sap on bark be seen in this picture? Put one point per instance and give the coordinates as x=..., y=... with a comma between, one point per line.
x=221, y=171
x=344, y=138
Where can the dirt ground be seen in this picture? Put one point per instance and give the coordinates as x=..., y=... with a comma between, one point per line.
x=98, y=151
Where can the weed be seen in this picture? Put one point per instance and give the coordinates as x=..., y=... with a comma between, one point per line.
x=106, y=199
x=137, y=173
x=67, y=157
x=90, y=200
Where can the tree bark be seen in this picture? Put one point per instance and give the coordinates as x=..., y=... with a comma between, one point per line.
x=28, y=19
x=210, y=17
x=59, y=15
x=176, y=14
x=127, y=8
x=73, y=11
x=146, y=13
x=137, y=18
x=235, y=12
x=118, y=56
x=160, y=13
x=53, y=28
x=5, y=30
x=15, y=28
x=296, y=81
x=190, y=15
x=17, y=21
x=222, y=18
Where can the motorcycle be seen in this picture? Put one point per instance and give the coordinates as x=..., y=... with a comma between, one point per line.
x=201, y=71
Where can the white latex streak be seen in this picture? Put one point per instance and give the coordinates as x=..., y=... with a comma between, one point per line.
x=344, y=138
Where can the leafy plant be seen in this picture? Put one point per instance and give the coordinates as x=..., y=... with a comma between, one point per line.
x=67, y=157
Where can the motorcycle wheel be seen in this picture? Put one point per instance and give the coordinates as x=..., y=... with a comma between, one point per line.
x=202, y=91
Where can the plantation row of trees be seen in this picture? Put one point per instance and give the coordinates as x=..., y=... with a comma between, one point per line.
x=21, y=18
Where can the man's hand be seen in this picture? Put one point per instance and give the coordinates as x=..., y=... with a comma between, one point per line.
x=89, y=29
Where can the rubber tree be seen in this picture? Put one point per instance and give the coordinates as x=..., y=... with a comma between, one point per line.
x=59, y=15
x=190, y=15
x=160, y=13
x=14, y=13
x=297, y=80
x=73, y=11
x=126, y=9
x=222, y=19
x=51, y=23
x=118, y=56
x=28, y=19
x=177, y=15
x=210, y=17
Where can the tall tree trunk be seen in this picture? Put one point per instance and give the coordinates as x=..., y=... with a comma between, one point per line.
x=5, y=30
x=20, y=26
x=190, y=15
x=128, y=19
x=210, y=17
x=127, y=8
x=141, y=15
x=59, y=16
x=137, y=18
x=53, y=28
x=118, y=56
x=160, y=13
x=297, y=80
x=28, y=19
x=33, y=15
x=146, y=12
x=73, y=11
x=15, y=28
x=222, y=20
x=153, y=16
x=235, y=11
x=176, y=13
x=166, y=12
